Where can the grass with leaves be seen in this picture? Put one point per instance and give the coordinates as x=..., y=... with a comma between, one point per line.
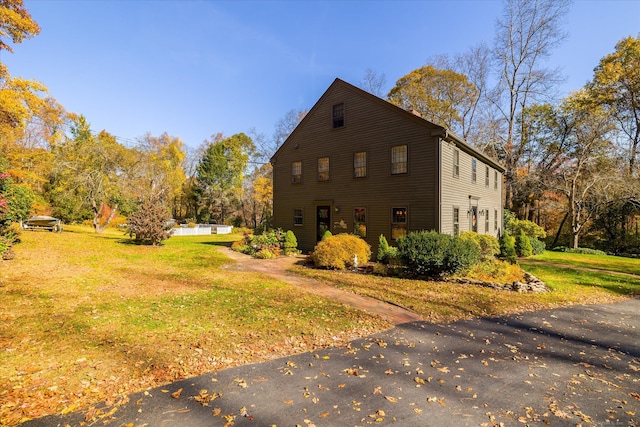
x=87, y=318
x=437, y=301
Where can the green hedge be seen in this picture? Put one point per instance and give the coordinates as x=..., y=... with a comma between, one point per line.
x=431, y=254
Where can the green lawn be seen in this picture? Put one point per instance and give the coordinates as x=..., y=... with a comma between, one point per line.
x=600, y=262
x=87, y=318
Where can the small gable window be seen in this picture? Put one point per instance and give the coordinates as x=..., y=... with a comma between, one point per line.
x=338, y=115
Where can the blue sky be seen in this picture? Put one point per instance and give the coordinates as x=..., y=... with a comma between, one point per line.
x=195, y=68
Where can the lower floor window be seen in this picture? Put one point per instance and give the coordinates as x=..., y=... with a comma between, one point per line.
x=495, y=219
x=398, y=222
x=486, y=220
x=456, y=221
x=297, y=217
x=360, y=222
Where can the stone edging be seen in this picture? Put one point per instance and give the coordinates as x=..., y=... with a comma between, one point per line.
x=532, y=284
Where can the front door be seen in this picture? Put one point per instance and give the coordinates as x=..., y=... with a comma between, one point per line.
x=474, y=218
x=323, y=220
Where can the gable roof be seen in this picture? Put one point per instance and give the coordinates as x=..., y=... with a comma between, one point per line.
x=440, y=131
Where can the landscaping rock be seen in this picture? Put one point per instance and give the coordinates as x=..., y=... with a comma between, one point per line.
x=531, y=285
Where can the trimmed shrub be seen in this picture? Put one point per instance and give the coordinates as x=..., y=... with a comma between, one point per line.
x=538, y=247
x=386, y=253
x=529, y=228
x=488, y=245
x=290, y=244
x=431, y=254
x=508, y=247
x=523, y=245
x=150, y=224
x=338, y=251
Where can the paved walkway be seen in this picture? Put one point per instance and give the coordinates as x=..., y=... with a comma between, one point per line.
x=567, y=367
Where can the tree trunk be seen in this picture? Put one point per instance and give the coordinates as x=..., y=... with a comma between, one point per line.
x=555, y=240
x=96, y=220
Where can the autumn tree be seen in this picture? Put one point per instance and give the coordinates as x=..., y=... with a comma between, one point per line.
x=159, y=169
x=441, y=96
x=479, y=127
x=15, y=23
x=257, y=198
x=616, y=87
x=87, y=180
x=575, y=158
x=220, y=173
x=526, y=35
x=17, y=96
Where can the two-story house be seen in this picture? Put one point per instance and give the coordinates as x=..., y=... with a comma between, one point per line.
x=359, y=164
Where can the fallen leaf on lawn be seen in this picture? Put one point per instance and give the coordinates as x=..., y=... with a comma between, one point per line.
x=324, y=415
x=417, y=411
x=176, y=394
x=444, y=370
x=391, y=399
x=288, y=402
x=419, y=380
x=216, y=412
x=341, y=385
x=389, y=372
x=432, y=399
x=635, y=395
x=441, y=402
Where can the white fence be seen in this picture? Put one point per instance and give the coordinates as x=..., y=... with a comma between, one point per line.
x=200, y=229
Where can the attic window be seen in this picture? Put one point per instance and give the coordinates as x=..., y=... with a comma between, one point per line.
x=338, y=115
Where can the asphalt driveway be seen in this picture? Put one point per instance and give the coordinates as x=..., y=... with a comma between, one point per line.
x=573, y=366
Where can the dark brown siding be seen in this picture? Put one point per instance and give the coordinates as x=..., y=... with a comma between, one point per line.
x=370, y=125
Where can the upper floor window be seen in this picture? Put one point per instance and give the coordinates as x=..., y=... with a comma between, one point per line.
x=338, y=115
x=399, y=159
x=296, y=172
x=474, y=170
x=323, y=169
x=486, y=176
x=360, y=164
x=398, y=222
x=298, y=217
x=456, y=163
x=495, y=180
